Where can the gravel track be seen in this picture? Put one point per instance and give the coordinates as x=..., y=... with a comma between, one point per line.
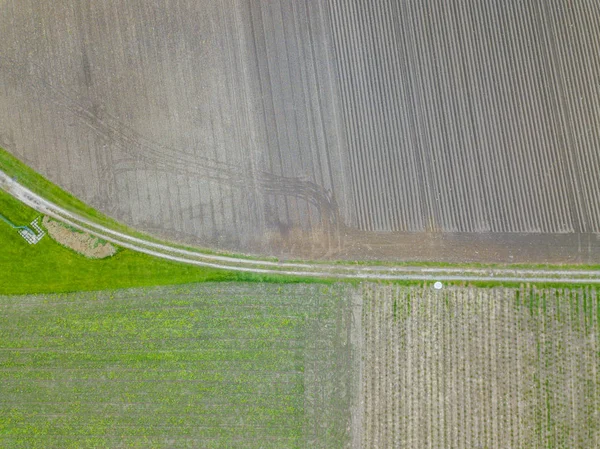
x=165, y=251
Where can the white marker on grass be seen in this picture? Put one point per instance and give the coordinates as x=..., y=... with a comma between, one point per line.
x=438, y=285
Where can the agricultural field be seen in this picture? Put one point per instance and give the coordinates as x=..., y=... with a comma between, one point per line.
x=471, y=117
x=200, y=365
x=302, y=366
x=205, y=122
x=326, y=129
x=479, y=368
x=351, y=132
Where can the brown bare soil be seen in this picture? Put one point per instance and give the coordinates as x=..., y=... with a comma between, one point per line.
x=470, y=247
x=339, y=129
x=80, y=242
x=212, y=123
x=467, y=368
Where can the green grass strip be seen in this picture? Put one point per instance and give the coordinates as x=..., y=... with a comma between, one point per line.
x=49, y=267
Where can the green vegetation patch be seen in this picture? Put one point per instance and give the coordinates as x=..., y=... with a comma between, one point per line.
x=38, y=184
x=213, y=365
x=50, y=267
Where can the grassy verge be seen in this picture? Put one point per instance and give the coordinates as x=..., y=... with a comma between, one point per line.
x=441, y=265
x=50, y=267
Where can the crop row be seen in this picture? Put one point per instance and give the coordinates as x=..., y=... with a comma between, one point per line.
x=463, y=367
x=190, y=362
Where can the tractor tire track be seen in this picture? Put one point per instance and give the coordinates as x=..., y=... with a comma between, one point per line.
x=141, y=151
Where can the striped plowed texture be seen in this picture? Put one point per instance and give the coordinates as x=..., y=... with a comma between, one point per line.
x=471, y=116
x=480, y=368
x=302, y=127
x=211, y=122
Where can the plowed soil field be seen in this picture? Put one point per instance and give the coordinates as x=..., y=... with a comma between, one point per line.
x=393, y=130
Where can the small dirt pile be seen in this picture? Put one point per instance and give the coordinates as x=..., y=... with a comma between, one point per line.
x=81, y=242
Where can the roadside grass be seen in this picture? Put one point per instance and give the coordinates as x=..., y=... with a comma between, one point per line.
x=197, y=365
x=466, y=265
x=49, y=267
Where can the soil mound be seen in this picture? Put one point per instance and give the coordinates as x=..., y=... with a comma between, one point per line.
x=81, y=242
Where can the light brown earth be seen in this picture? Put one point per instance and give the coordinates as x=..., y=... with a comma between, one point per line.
x=479, y=368
x=80, y=242
x=327, y=129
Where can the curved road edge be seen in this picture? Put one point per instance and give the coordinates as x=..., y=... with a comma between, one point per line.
x=365, y=272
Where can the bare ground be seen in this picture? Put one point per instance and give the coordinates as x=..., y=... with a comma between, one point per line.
x=80, y=242
x=319, y=129
x=467, y=367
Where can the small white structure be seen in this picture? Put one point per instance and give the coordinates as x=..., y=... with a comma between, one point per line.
x=32, y=237
x=438, y=285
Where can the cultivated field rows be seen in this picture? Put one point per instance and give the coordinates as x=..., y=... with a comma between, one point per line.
x=211, y=123
x=210, y=365
x=467, y=367
x=249, y=365
x=316, y=129
x=471, y=116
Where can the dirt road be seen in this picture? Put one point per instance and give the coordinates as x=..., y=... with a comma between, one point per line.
x=367, y=272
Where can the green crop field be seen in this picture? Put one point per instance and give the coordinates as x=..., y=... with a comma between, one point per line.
x=202, y=366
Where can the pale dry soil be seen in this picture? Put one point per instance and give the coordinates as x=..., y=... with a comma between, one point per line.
x=479, y=368
x=80, y=242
